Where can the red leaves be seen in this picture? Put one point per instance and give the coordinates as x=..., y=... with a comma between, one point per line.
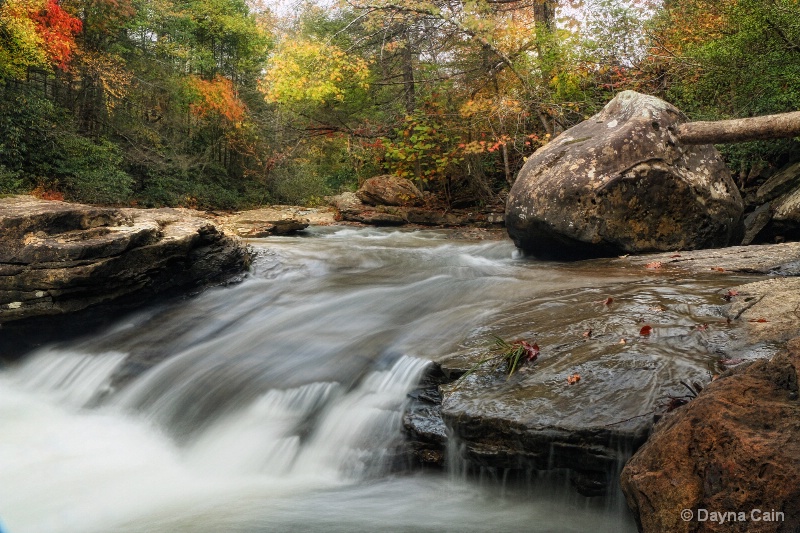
x=730, y=294
x=57, y=28
x=645, y=331
x=531, y=350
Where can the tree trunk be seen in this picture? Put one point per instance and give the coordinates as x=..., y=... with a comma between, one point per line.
x=740, y=130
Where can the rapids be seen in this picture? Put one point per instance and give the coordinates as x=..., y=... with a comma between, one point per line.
x=276, y=404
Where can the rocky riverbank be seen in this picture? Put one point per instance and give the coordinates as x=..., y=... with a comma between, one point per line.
x=58, y=258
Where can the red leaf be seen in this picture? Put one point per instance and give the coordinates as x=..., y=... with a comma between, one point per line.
x=608, y=301
x=645, y=331
x=761, y=320
x=532, y=350
x=731, y=293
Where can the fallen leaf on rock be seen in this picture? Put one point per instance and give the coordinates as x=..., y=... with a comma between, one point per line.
x=531, y=350
x=674, y=256
x=761, y=320
x=608, y=301
x=654, y=265
x=645, y=331
x=587, y=333
x=730, y=294
x=573, y=379
x=718, y=269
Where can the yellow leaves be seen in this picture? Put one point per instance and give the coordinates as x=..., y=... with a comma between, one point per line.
x=311, y=71
x=21, y=46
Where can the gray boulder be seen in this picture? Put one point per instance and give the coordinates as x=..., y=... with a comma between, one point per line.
x=621, y=182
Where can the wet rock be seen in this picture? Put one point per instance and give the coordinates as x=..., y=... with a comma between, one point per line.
x=59, y=258
x=424, y=428
x=620, y=182
x=539, y=419
x=782, y=259
x=389, y=190
x=736, y=447
x=767, y=309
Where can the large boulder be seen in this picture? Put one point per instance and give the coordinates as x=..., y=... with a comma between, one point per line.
x=58, y=258
x=621, y=182
x=734, y=449
x=389, y=190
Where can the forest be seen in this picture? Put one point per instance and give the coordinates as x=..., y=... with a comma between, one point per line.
x=227, y=104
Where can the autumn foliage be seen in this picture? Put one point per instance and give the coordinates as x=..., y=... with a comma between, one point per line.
x=57, y=29
x=217, y=97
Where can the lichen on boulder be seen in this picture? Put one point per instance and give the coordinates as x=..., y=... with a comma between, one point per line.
x=621, y=182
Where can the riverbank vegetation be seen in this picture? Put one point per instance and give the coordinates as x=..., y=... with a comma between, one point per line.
x=233, y=103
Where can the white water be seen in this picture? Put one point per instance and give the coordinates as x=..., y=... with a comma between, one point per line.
x=272, y=406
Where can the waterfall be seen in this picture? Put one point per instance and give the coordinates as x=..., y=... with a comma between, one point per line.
x=274, y=405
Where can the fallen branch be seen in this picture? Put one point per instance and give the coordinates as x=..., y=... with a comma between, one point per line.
x=784, y=125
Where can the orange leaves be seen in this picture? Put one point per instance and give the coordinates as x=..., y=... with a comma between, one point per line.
x=57, y=28
x=218, y=97
x=573, y=379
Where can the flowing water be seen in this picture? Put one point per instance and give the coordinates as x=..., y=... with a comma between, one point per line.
x=275, y=405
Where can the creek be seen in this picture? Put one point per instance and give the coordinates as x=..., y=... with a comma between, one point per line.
x=276, y=404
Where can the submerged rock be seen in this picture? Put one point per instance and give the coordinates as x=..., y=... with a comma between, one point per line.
x=57, y=257
x=735, y=448
x=620, y=182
